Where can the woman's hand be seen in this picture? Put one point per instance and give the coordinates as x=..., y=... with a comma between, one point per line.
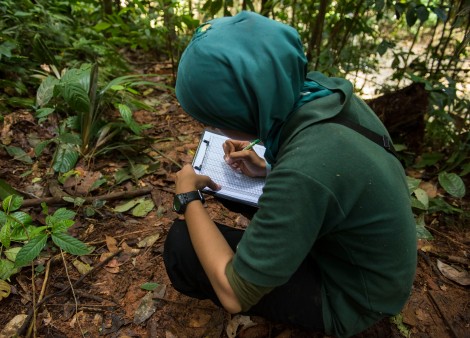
x=246, y=161
x=187, y=180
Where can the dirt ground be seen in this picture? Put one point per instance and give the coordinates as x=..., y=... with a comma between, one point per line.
x=111, y=302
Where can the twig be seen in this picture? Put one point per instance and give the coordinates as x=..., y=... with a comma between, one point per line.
x=77, y=283
x=123, y=235
x=107, y=197
x=433, y=267
x=32, y=327
x=443, y=316
x=167, y=157
x=41, y=295
x=447, y=237
x=73, y=291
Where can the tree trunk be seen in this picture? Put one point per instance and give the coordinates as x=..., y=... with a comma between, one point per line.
x=317, y=31
x=266, y=7
x=107, y=7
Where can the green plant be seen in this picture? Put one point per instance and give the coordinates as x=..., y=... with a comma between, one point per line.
x=75, y=95
x=22, y=241
x=422, y=204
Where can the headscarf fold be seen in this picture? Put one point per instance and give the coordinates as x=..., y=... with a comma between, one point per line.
x=245, y=73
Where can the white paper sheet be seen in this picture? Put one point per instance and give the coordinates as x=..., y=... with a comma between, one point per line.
x=209, y=160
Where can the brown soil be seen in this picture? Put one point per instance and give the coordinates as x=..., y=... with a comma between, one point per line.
x=106, y=301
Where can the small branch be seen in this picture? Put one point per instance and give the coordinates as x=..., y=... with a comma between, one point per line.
x=442, y=313
x=107, y=197
x=165, y=156
x=447, y=237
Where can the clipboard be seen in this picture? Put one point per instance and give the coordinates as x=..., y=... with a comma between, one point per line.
x=209, y=160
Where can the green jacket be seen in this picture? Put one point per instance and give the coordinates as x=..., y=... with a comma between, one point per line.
x=337, y=196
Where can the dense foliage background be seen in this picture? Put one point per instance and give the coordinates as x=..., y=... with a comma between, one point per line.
x=379, y=45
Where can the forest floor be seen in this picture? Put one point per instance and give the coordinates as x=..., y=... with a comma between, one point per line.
x=109, y=301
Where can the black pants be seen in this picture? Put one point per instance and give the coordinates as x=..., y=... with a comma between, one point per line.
x=297, y=302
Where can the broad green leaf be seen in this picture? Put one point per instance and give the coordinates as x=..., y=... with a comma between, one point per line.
x=98, y=183
x=43, y=112
x=46, y=91
x=6, y=190
x=421, y=231
x=31, y=250
x=452, y=184
x=19, y=154
x=465, y=170
x=5, y=234
x=422, y=196
x=40, y=147
x=12, y=252
x=128, y=205
x=122, y=175
x=439, y=205
x=6, y=48
x=138, y=170
x=3, y=218
x=12, y=203
x=411, y=16
x=66, y=158
x=76, y=97
x=149, y=286
x=126, y=114
x=63, y=213
x=399, y=9
x=441, y=14
x=70, y=138
x=70, y=244
x=379, y=5
x=20, y=218
x=117, y=87
x=77, y=201
x=429, y=159
x=23, y=234
x=78, y=77
x=422, y=13
x=143, y=208
x=101, y=26
x=413, y=183
x=7, y=269
x=417, y=204
x=62, y=225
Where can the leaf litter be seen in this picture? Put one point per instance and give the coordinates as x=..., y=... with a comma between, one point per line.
x=141, y=237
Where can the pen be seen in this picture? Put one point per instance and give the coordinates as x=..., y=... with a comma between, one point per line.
x=252, y=144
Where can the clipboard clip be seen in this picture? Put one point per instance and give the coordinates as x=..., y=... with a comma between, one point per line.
x=199, y=167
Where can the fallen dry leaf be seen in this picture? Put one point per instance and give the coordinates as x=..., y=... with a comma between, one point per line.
x=5, y=289
x=147, y=307
x=129, y=250
x=429, y=188
x=148, y=241
x=111, y=244
x=460, y=277
x=421, y=315
x=81, y=267
x=199, y=320
x=113, y=266
x=13, y=325
x=236, y=322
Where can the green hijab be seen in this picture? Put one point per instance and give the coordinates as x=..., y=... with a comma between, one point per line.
x=245, y=73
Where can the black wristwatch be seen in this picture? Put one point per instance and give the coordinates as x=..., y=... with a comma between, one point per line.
x=180, y=201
